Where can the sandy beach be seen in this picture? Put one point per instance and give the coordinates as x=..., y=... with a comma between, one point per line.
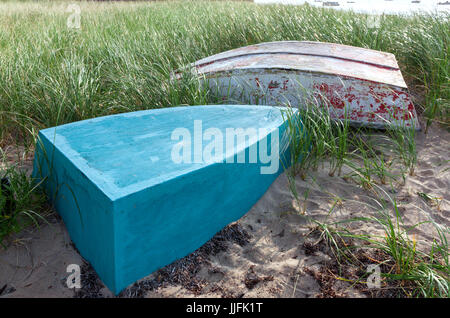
x=273, y=251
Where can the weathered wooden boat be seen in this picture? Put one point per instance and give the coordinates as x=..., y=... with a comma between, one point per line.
x=139, y=190
x=363, y=86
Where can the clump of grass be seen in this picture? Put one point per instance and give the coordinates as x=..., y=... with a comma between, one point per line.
x=367, y=162
x=429, y=272
x=327, y=138
x=296, y=140
x=338, y=148
x=22, y=203
x=415, y=273
x=427, y=64
x=404, y=145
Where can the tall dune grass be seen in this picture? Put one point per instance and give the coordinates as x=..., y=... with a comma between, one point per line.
x=121, y=58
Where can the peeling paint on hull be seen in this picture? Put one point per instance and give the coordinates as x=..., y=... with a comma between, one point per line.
x=364, y=86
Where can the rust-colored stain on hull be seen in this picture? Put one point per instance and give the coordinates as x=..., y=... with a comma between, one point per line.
x=363, y=85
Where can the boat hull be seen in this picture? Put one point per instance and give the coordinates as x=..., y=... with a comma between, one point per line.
x=130, y=207
x=362, y=86
x=360, y=102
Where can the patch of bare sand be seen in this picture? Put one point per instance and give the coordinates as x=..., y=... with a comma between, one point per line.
x=35, y=261
x=280, y=259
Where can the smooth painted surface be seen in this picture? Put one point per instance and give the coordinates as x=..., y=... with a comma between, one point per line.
x=128, y=208
x=128, y=152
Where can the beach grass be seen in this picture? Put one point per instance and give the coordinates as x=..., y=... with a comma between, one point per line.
x=404, y=270
x=374, y=162
x=121, y=57
x=22, y=202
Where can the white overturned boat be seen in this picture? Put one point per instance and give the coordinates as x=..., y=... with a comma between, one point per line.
x=362, y=85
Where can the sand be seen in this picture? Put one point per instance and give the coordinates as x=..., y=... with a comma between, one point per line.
x=272, y=251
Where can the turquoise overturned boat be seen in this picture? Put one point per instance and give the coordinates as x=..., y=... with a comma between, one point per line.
x=139, y=190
